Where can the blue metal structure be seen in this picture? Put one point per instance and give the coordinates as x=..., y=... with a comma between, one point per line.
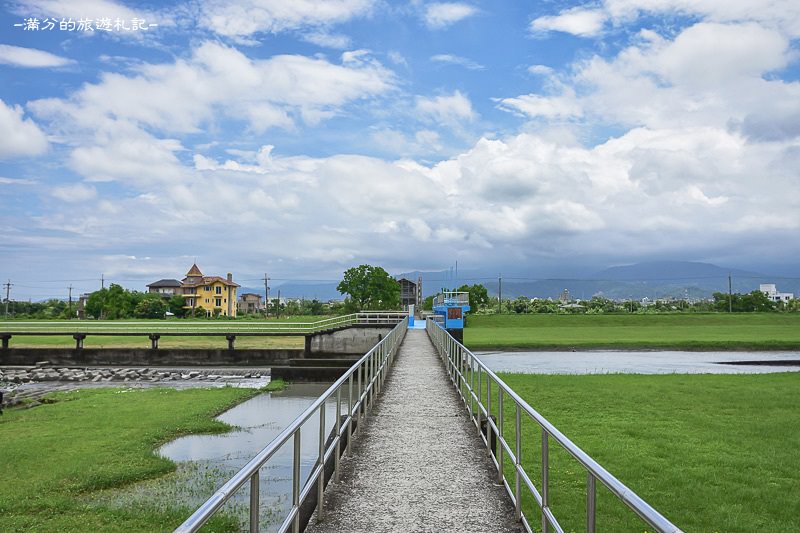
x=452, y=307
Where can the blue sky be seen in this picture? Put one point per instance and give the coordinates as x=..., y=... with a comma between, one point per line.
x=304, y=137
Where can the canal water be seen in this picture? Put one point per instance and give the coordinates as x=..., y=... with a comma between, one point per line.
x=640, y=362
x=205, y=462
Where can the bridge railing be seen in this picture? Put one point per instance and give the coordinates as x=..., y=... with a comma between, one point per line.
x=11, y=328
x=366, y=376
x=471, y=377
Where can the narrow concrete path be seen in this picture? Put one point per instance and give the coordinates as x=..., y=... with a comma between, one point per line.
x=417, y=464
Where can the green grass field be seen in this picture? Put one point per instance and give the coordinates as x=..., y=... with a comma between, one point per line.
x=56, y=455
x=712, y=453
x=738, y=331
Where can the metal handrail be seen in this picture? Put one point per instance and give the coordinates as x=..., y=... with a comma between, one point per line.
x=123, y=328
x=465, y=369
x=368, y=373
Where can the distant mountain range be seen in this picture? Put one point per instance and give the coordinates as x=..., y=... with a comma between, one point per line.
x=659, y=279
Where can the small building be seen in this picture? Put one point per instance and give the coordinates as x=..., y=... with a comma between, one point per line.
x=165, y=287
x=770, y=290
x=251, y=303
x=410, y=293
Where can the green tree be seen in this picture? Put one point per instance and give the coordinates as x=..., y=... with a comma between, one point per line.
x=478, y=296
x=370, y=287
x=151, y=306
x=176, y=305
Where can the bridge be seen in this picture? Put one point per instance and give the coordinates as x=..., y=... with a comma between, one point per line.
x=347, y=337
x=420, y=443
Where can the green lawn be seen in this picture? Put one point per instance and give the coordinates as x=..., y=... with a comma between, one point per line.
x=57, y=454
x=712, y=453
x=738, y=331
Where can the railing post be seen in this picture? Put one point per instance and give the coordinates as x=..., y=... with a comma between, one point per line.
x=500, y=474
x=321, y=478
x=591, y=504
x=254, y=502
x=518, y=466
x=545, y=480
x=360, y=392
x=350, y=412
x=338, y=432
x=471, y=387
x=296, y=482
x=478, y=396
x=489, y=414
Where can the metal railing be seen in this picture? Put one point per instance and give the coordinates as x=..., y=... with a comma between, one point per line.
x=367, y=376
x=471, y=376
x=109, y=327
x=451, y=298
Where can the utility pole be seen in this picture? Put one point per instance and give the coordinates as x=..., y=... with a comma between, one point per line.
x=102, y=281
x=70, y=300
x=500, y=294
x=278, y=307
x=8, y=292
x=730, y=294
x=266, y=295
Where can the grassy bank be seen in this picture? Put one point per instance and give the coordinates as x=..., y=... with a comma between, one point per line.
x=738, y=331
x=710, y=452
x=55, y=455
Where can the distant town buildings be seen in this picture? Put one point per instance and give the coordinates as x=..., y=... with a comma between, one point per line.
x=771, y=292
x=214, y=294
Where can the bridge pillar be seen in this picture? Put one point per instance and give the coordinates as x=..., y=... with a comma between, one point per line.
x=79, y=338
x=154, y=341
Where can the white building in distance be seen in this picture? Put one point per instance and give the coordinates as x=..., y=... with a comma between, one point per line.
x=771, y=292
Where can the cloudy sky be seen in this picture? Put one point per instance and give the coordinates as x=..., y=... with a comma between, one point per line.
x=301, y=137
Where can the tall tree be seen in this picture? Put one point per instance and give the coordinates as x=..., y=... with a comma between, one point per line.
x=370, y=287
x=478, y=295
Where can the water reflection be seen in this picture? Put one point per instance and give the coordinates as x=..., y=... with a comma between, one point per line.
x=205, y=462
x=635, y=362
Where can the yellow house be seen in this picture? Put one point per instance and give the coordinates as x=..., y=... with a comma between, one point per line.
x=214, y=294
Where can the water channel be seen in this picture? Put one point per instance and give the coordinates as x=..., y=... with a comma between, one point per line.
x=205, y=462
x=640, y=362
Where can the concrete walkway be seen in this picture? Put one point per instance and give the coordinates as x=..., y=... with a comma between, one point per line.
x=417, y=464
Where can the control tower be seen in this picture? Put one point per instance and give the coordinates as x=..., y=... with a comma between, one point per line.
x=451, y=306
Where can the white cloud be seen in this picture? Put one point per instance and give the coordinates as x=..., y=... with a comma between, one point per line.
x=577, y=21
x=76, y=9
x=20, y=136
x=564, y=106
x=214, y=84
x=457, y=60
x=76, y=193
x=247, y=17
x=328, y=40
x=779, y=14
x=30, y=57
x=541, y=70
x=448, y=110
x=16, y=181
x=442, y=14
x=710, y=54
